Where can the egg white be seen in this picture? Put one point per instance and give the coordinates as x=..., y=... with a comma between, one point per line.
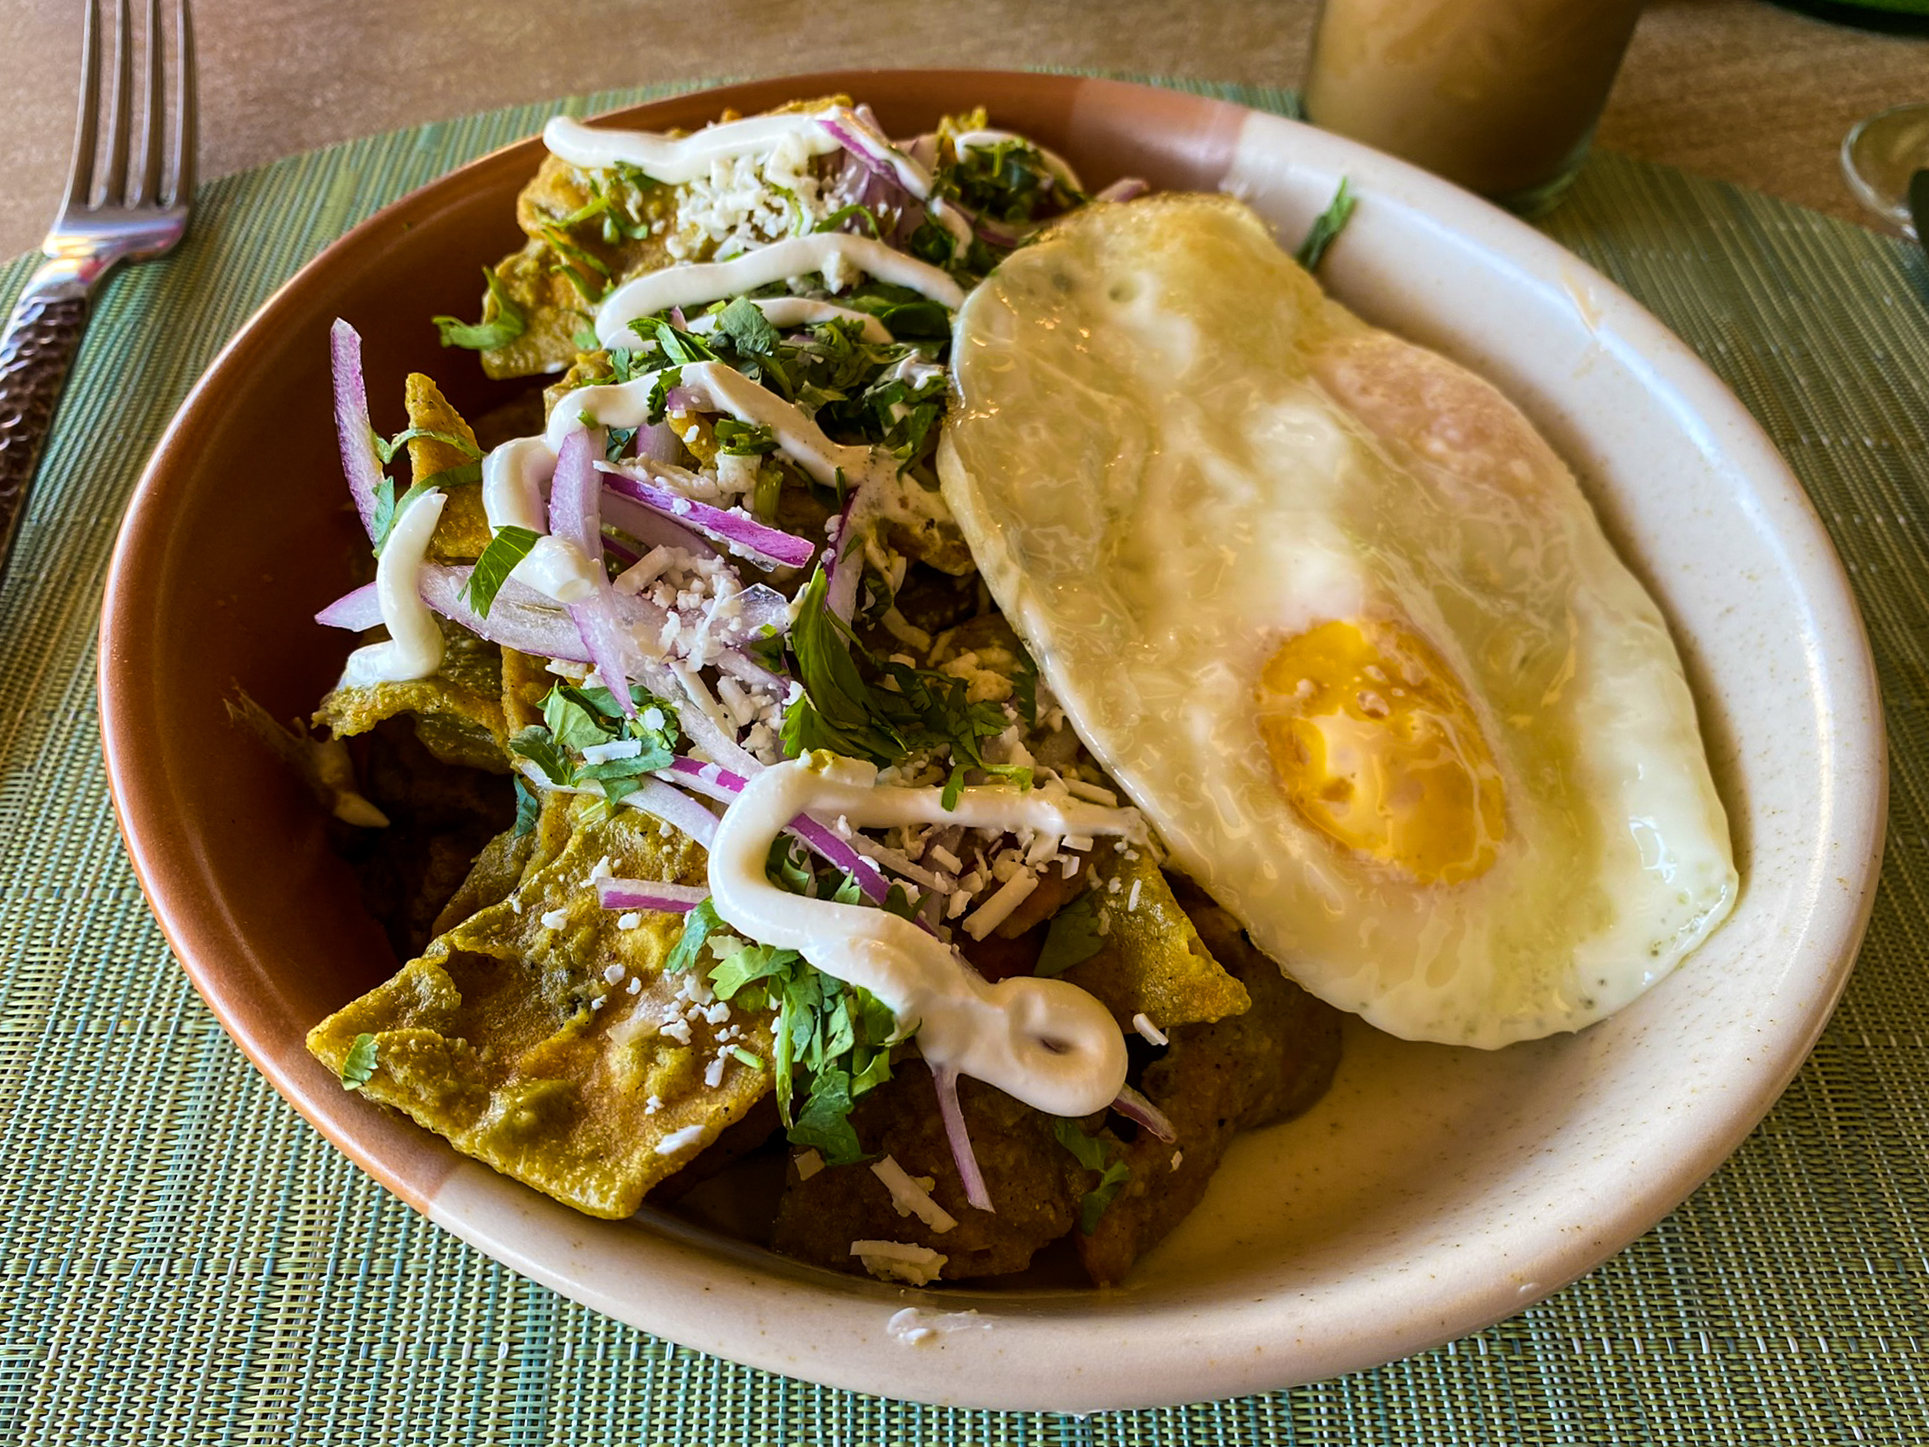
x=1171, y=455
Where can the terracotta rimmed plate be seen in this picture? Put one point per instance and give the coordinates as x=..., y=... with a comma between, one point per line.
x=1436, y=1190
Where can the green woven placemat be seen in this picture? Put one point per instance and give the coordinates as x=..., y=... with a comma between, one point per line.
x=182, y=1259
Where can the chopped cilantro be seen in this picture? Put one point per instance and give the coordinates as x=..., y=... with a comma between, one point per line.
x=1072, y=938
x=853, y=212
x=748, y=328
x=843, y=712
x=507, y=548
x=1093, y=1154
x=744, y=439
x=528, y=806
x=389, y=509
x=386, y=448
x=463, y=474
x=1326, y=227
x=359, y=1064
x=535, y=744
x=491, y=332
x=698, y=925
x=932, y=243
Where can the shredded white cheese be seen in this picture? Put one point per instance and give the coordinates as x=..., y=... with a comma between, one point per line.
x=898, y=1261
x=911, y=1199
x=678, y=1141
x=1145, y=1027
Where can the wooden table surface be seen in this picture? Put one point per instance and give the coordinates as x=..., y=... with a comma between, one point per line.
x=1734, y=89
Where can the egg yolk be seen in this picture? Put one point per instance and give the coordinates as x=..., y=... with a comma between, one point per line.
x=1374, y=743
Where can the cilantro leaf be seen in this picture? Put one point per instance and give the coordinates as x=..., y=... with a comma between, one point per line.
x=464, y=474
x=698, y=925
x=386, y=448
x=853, y=212
x=1093, y=1154
x=677, y=346
x=528, y=806
x=748, y=328
x=491, y=332
x=534, y=744
x=575, y=722
x=507, y=548
x=1072, y=938
x=825, y=1120
x=388, y=513
x=744, y=439
x=359, y=1064
x=1325, y=228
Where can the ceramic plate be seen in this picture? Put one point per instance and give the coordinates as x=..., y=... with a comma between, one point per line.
x=1435, y=1190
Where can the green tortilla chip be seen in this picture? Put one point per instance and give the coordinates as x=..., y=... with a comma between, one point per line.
x=1150, y=959
x=458, y=708
x=516, y=1035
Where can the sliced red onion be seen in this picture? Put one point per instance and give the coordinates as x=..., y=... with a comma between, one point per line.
x=675, y=808
x=575, y=517
x=650, y=894
x=997, y=233
x=752, y=610
x=354, y=611
x=741, y=666
x=872, y=151
x=359, y=463
x=739, y=529
x=676, y=319
x=682, y=399
x=520, y=618
x=945, y=1079
x=922, y=150
x=650, y=527
x=1123, y=189
x=659, y=442
x=1136, y=1107
x=844, y=563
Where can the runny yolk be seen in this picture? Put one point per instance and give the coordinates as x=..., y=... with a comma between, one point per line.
x=1374, y=743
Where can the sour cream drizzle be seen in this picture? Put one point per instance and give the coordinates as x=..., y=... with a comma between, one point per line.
x=414, y=646
x=704, y=282
x=1042, y=1041
x=676, y=160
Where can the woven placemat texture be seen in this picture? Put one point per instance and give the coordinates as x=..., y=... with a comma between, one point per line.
x=184, y=1260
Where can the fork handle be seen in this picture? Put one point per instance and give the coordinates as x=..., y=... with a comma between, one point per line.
x=36, y=350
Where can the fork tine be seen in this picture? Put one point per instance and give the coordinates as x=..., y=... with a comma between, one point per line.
x=116, y=184
x=148, y=186
x=80, y=175
x=185, y=137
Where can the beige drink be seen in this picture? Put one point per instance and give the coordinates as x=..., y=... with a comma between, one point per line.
x=1498, y=95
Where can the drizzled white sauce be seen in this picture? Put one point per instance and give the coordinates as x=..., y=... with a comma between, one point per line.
x=414, y=646
x=627, y=404
x=704, y=282
x=786, y=312
x=685, y=158
x=1042, y=1041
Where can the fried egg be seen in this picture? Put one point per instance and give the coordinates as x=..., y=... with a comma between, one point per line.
x=1340, y=622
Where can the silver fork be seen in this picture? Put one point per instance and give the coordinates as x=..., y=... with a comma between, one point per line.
x=133, y=218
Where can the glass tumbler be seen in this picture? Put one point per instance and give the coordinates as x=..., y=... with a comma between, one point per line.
x=1501, y=96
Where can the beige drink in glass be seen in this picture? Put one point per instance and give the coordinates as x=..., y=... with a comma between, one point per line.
x=1499, y=95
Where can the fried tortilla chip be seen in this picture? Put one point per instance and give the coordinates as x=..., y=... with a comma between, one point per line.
x=462, y=532
x=1150, y=960
x=457, y=709
x=588, y=232
x=516, y=1035
x=1215, y=1080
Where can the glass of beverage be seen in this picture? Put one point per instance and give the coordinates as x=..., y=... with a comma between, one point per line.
x=1501, y=96
x=1882, y=155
